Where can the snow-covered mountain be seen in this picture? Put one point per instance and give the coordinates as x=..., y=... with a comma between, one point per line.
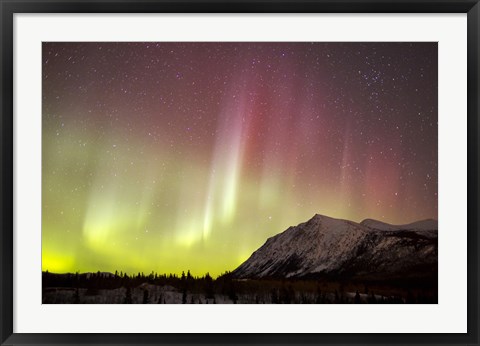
x=324, y=246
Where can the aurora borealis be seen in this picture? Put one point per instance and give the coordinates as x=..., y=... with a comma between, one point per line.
x=177, y=156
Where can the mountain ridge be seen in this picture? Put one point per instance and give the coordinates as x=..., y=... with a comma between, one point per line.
x=336, y=247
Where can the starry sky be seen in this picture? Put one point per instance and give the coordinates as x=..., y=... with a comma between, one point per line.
x=188, y=156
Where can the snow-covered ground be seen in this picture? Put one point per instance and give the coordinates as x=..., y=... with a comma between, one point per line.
x=170, y=295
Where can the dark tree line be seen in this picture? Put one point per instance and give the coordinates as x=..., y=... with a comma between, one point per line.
x=261, y=291
x=99, y=280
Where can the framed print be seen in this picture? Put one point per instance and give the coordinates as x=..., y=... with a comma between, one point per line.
x=239, y=173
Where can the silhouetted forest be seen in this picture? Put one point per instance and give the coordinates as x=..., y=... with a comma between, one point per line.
x=121, y=288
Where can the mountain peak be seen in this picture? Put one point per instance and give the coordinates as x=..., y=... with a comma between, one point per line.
x=326, y=245
x=320, y=217
x=424, y=225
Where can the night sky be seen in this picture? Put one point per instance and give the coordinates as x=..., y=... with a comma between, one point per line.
x=177, y=156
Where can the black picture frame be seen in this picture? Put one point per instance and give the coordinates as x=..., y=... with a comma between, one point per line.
x=10, y=7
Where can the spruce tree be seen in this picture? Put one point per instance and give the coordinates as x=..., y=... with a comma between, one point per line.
x=357, y=298
x=128, y=296
x=76, y=299
x=146, y=300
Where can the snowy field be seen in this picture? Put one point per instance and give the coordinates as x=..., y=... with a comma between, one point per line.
x=153, y=294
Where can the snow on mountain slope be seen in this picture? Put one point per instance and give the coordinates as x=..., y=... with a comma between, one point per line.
x=325, y=245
